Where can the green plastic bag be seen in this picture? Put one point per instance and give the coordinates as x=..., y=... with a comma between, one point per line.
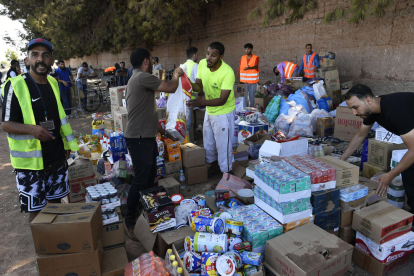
x=272, y=109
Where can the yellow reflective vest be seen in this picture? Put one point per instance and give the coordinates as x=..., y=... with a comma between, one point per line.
x=25, y=149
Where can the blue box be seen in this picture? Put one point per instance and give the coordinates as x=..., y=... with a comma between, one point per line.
x=246, y=130
x=116, y=156
x=328, y=220
x=322, y=200
x=117, y=143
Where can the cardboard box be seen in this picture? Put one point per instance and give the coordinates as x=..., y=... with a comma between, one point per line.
x=347, y=234
x=78, y=190
x=369, y=170
x=173, y=167
x=373, y=267
x=196, y=175
x=380, y=153
x=117, y=94
x=246, y=130
x=162, y=113
x=382, y=222
x=346, y=219
x=80, y=170
x=372, y=189
x=239, y=168
x=199, y=117
x=170, y=185
x=331, y=78
x=336, y=97
x=346, y=123
x=346, y=173
x=193, y=155
x=263, y=102
x=352, y=205
x=109, y=124
x=159, y=242
x=295, y=224
x=159, y=216
x=381, y=134
x=83, y=263
x=389, y=251
x=297, y=253
x=297, y=147
x=241, y=153
x=67, y=228
x=324, y=126
x=115, y=108
x=113, y=235
x=328, y=219
x=159, y=74
x=325, y=200
x=114, y=262
x=120, y=120
x=258, y=138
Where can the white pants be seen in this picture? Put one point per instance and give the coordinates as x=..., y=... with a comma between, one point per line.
x=218, y=132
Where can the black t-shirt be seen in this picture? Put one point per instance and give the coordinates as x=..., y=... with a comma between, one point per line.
x=52, y=151
x=397, y=113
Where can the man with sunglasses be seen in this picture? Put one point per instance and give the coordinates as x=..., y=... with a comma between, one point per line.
x=394, y=112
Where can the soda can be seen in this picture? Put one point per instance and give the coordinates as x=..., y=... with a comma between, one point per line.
x=208, y=263
x=189, y=243
x=234, y=226
x=206, y=242
x=208, y=224
x=192, y=261
x=228, y=263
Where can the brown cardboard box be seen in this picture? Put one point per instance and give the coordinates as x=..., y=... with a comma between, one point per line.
x=331, y=78
x=352, y=205
x=196, y=175
x=83, y=263
x=263, y=102
x=380, y=153
x=336, y=97
x=347, y=234
x=258, y=138
x=170, y=185
x=297, y=252
x=370, y=170
x=346, y=218
x=113, y=235
x=67, y=228
x=242, y=153
x=159, y=242
x=173, y=167
x=80, y=170
x=372, y=189
x=374, y=267
x=115, y=108
x=382, y=222
x=117, y=94
x=114, y=262
x=193, y=155
x=109, y=124
x=346, y=123
x=239, y=169
x=120, y=120
x=78, y=190
x=346, y=173
x=324, y=126
x=159, y=74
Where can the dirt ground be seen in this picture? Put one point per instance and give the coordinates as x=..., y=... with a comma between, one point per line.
x=17, y=255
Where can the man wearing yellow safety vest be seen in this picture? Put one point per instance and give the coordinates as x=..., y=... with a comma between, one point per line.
x=310, y=63
x=249, y=74
x=190, y=68
x=39, y=134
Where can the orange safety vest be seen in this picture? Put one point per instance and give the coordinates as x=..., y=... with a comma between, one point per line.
x=309, y=69
x=251, y=75
x=289, y=68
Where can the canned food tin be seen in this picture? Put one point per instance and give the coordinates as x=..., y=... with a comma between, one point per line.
x=192, y=261
x=234, y=226
x=189, y=243
x=228, y=263
x=207, y=224
x=208, y=263
x=206, y=242
x=237, y=257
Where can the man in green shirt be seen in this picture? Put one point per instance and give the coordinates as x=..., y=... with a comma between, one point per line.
x=216, y=78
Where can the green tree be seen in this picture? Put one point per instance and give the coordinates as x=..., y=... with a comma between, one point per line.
x=83, y=27
x=11, y=55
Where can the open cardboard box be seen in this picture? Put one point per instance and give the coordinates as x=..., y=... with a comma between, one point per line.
x=159, y=242
x=114, y=262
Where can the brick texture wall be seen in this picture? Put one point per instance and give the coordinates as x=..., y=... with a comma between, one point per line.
x=378, y=51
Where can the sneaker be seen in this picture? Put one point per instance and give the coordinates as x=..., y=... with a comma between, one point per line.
x=130, y=232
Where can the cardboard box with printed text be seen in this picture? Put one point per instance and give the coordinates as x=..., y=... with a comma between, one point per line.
x=346, y=123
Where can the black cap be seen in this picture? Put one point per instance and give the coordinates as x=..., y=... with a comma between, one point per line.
x=84, y=64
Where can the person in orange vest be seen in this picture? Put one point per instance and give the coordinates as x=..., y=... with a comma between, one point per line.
x=310, y=63
x=249, y=73
x=286, y=70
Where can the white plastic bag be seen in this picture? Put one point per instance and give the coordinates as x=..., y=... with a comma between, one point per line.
x=178, y=111
x=319, y=90
x=283, y=123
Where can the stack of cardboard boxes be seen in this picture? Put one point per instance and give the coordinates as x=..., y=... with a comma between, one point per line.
x=194, y=163
x=81, y=175
x=173, y=160
x=329, y=73
x=118, y=108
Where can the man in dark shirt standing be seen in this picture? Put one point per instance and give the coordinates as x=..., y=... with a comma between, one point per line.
x=142, y=128
x=394, y=112
x=121, y=74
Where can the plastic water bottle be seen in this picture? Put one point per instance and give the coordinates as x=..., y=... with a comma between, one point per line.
x=182, y=180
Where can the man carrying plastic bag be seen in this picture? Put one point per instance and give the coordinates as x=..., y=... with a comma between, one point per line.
x=216, y=78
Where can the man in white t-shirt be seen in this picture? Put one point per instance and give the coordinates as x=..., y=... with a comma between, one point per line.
x=84, y=73
x=26, y=67
x=157, y=65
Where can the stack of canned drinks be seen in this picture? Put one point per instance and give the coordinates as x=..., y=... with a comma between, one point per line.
x=105, y=194
x=318, y=171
